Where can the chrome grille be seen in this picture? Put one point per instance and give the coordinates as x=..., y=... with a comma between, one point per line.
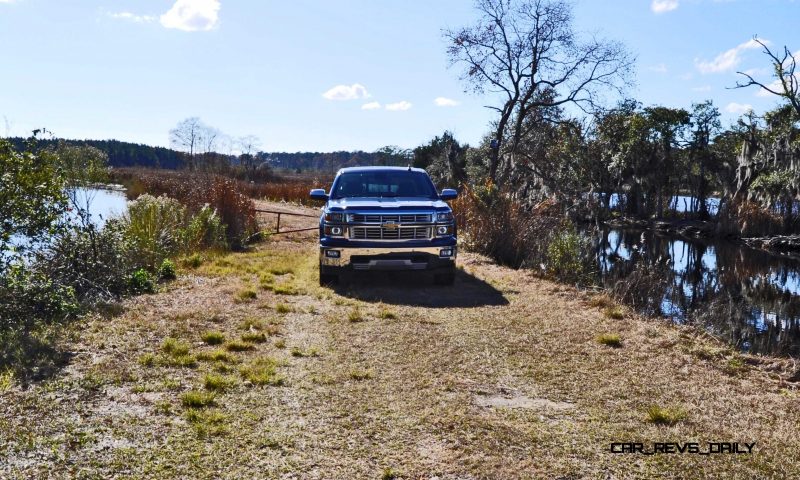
x=383, y=233
x=395, y=218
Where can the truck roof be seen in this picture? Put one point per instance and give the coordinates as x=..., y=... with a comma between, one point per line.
x=379, y=168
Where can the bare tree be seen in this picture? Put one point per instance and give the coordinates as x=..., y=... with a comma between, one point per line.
x=527, y=52
x=786, y=84
x=248, y=145
x=185, y=137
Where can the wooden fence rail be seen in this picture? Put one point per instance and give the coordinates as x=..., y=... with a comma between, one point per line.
x=278, y=223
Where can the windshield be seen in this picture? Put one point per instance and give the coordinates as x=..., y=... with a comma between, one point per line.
x=397, y=183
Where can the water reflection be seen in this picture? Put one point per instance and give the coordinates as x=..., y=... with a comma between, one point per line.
x=749, y=297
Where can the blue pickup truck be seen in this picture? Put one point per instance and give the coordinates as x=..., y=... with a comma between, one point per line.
x=385, y=218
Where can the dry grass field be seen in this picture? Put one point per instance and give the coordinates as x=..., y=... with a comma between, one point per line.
x=245, y=368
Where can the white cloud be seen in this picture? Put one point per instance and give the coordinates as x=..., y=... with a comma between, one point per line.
x=663, y=6
x=446, y=102
x=346, y=92
x=371, y=106
x=660, y=68
x=403, y=105
x=739, y=108
x=703, y=88
x=727, y=60
x=131, y=17
x=192, y=15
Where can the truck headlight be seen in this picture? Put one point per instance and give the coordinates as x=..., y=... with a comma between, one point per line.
x=444, y=230
x=444, y=217
x=334, y=231
x=334, y=217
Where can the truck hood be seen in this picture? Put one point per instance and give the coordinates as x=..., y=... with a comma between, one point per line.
x=377, y=203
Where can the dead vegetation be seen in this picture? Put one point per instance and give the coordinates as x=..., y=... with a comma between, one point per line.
x=502, y=376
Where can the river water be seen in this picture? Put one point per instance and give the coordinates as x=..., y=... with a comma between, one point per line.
x=748, y=297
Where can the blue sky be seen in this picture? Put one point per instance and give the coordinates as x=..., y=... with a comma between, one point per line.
x=306, y=75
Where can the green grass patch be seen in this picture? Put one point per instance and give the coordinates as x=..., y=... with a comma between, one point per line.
x=246, y=295
x=614, y=312
x=254, y=337
x=147, y=360
x=284, y=289
x=239, y=346
x=207, y=423
x=665, y=416
x=299, y=352
x=174, y=347
x=283, y=308
x=610, y=340
x=386, y=314
x=198, y=399
x=183, y=361
x=217, y=383
x=218, y=355
x=213, y=337
x=262, y=371
x=359, y=375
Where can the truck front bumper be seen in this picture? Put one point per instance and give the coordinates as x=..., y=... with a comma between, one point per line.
x=387, y=258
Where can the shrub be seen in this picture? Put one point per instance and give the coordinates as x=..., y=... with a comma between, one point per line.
x=494, y=224
x=167, y=270
x=140, y=281
x=97, y=264
x=154, y=226
x=564, y=255
x=226, y=197
x=205, y=231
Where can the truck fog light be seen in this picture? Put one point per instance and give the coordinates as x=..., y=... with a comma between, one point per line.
x=336, y=230
x=442, y=230
x=446, y=252
x=333, y=253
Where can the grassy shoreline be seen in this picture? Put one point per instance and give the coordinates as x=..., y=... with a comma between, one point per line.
x=244, y=367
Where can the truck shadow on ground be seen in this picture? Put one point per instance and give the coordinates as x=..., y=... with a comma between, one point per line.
x=419, y=290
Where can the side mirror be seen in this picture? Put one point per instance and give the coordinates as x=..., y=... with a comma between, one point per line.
x=318, y=194
x=448, y=194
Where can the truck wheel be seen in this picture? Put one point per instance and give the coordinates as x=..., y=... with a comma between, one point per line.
x=447, y=278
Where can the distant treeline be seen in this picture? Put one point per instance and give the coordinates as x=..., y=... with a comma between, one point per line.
x=126, y=154
x=120, y=154
x=332, y=161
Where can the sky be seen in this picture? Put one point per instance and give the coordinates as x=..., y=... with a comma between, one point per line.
x=324, y=75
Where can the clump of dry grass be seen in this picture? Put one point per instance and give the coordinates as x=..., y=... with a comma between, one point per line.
x=614, y=312
x=246, y=295
x=360, y=374
x=355, y=315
